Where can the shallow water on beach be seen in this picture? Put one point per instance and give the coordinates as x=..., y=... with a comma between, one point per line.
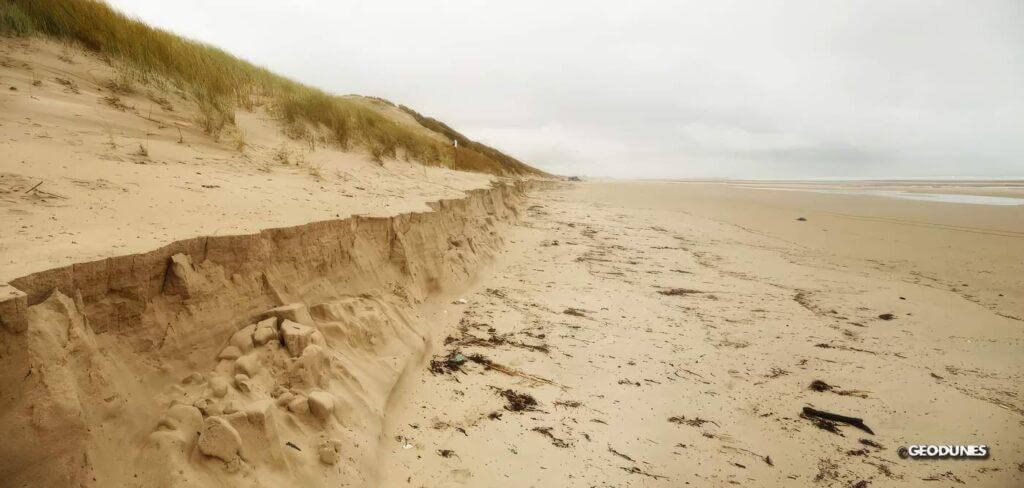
x=906, y=195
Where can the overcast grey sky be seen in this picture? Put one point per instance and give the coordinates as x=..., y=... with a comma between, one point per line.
x=761, y=89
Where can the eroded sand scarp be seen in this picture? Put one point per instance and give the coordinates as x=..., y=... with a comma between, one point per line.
x=252, y=360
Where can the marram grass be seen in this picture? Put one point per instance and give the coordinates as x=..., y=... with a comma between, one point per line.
x=218, y=82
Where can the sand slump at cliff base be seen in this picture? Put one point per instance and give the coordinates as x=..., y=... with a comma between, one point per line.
x=256, y=360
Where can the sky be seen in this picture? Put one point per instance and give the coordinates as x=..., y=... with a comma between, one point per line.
x=665, y=89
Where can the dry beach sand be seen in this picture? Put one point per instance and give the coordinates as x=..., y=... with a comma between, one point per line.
x=189, y=314
x=682, y=325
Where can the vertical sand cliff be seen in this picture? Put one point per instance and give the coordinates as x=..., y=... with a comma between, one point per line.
x=251, y=360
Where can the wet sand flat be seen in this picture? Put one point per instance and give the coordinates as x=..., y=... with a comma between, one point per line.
x=668, y=334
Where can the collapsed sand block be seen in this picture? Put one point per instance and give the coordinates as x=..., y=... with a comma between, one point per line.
x=321, y=404
x=247, y=365
x=256, y=424
x=13, y=307
x=329, y=451
x=311, y=368
x=297, y=336
x=219, y=386
x=219, y=439
x=264, y=336
x=229, y=353
x=299, y=405
x=296, y=312
x=266, y=331
x=242, y=339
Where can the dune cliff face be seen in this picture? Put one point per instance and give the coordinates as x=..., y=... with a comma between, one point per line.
x=250, y=360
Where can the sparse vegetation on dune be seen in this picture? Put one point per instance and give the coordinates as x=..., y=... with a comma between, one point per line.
x=218, y=82
x=478, y=156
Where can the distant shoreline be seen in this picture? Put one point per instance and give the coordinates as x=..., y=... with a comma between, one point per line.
x=977, y=192
x=966, y=180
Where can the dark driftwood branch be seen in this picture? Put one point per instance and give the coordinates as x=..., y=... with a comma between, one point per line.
x=854, y=421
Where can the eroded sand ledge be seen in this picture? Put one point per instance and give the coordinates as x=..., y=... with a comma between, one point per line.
x=264, y=356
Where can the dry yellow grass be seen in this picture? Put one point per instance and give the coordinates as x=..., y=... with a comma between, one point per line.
x=218, y=82
x=14, y=22
x=471, y=154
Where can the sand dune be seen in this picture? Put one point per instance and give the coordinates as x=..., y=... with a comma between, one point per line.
x=76, y=186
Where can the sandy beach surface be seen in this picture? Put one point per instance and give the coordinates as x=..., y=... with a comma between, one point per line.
x=532, y=334
x=669, y=333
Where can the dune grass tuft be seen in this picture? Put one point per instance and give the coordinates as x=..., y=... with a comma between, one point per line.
x=470, y=154
x=218, y=82
x=14, y=22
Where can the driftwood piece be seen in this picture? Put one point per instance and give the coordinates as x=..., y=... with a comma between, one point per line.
x=854, y=421
x=34, y=187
